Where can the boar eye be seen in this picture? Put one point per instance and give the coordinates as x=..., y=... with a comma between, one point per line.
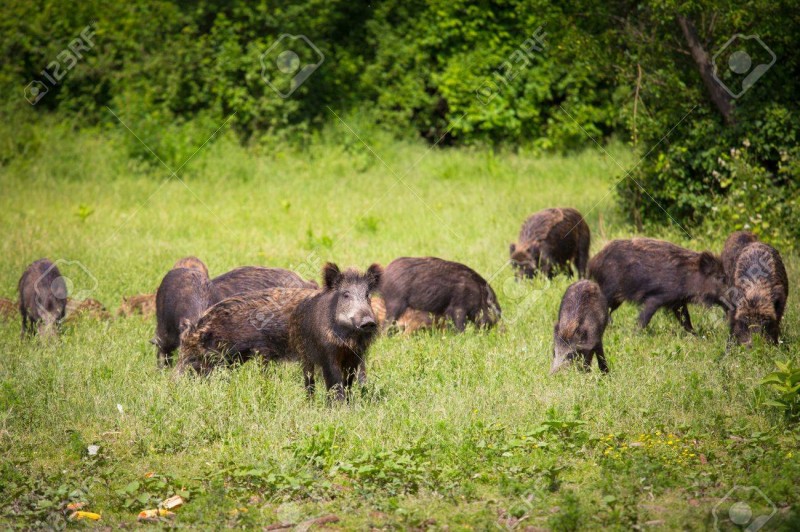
x=346, y=295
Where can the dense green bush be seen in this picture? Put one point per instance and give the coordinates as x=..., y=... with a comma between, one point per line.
x=537, y=73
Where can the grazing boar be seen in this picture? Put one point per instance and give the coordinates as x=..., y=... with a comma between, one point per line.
x=582, y=320
x=411, y=320
x=240, y=327
x=182, y=297
x=440, y=288
x=193, y=263
x=91, y=308
x=334, y=328
x=552, y=240
x=255, y=278
x=730, y=252
x=761, y=288
x=8, y=309
x=142, y=304
x=656, y=274
x=42, y=298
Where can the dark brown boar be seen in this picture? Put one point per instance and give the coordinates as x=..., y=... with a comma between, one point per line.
x=411, y=320
x=182, y=297
x=8, y=309
x=255, y=278
x=582, y=320
x=141, y=304
x=193, y=263
x=440, y=288
x=730, y=252
x=42, y=298
x=241, y=327
x=334, y=328
x=656, y=274
x=550, y=241
x=89, y=307
x=761, y=287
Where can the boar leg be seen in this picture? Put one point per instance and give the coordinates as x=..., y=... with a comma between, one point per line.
x=582, y=259
x=24, y=326
x=459, y=318
x=334, y=380
x=772, y=331
x=650, y=308
x=394, y=310
x=682, y=315
x=601, y=358
x=308, y=375
x=587, y=361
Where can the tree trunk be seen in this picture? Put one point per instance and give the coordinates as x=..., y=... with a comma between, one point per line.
x=719, y=97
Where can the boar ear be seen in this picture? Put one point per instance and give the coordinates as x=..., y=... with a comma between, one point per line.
x=374, y=273
x=512, y=248
x=709, y=264
x=331, y=275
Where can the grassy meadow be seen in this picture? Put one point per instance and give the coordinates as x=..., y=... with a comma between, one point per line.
x=452, y=431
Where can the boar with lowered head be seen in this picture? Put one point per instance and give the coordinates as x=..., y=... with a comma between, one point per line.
x=182, y=297
x=255, y=278
x=441, y=288
x=193, y=263
x=552, y=240
x=761, y=288
x=657, y=274
x=334, y=328
x=582, y=320
x=42, y=298
x=241, y=327
x=734, y=245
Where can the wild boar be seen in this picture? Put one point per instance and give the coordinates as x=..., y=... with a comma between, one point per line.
x=550, y=241
x=730, y=252
x=193, y=263
x=411, y=320
x=241, y=327
x=8, y=309
x=657, y=274
x=334, y=328
x=582, y=320
x=182, y=297
x=440, y=288
x=42, y=298
x=141, y=304
x=89, y=307
x=761, y=287
x=255, y=278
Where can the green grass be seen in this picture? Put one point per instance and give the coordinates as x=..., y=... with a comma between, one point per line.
x=464, y=430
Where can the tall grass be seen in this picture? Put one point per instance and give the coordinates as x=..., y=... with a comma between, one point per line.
x=451, y=429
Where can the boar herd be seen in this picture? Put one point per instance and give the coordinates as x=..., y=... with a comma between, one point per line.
x=276, y=315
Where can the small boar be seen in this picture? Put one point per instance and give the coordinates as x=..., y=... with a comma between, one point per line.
x=42, y=298
x=91, y=308
x=733, y=246
x=142, y=304
x=8, y=309
x=411, y=320
x=193, y=263
x=255, y=278
x=582, y=320
x=182, y=297
x=440, y=288
x=549, y=241
x=240, y=327
x=334, y=328
x=761, y=288
x=656, y=274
